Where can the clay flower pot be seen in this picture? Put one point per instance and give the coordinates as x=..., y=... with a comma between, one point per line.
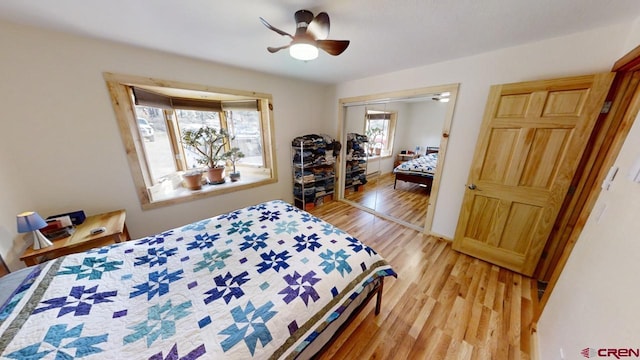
x=193, y=180
x=215, y=175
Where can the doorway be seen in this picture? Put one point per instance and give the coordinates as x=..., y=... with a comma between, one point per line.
x=623, y=103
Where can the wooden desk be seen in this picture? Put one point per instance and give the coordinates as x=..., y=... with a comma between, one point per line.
x=81, y=239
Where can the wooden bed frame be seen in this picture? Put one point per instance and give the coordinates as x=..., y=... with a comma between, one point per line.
x=426, y=179
x=375, y=291
x=413, y=178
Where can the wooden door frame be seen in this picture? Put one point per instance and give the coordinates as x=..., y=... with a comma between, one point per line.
x=343, y=103
x=612, y=131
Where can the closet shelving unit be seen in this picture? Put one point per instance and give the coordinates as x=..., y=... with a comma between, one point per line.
x=313, y=170
x=356, y=162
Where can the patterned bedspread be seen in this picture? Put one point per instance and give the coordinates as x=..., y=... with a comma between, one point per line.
x=259, y=282
x=424, y=165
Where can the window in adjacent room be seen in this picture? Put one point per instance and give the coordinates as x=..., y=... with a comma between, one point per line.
x=153, y=114
x=380, y=127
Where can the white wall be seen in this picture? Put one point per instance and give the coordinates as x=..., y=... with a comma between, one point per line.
x=578, y=54
x=61, y=139
x=424, y=125
x=354, y=119
x=14, y=199
x=595, y=302
x=633, y=39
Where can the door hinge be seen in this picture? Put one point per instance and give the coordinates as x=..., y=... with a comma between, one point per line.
x=606, y=107
x=572, y=190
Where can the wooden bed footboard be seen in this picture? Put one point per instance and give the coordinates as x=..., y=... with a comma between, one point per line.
x=412, y=178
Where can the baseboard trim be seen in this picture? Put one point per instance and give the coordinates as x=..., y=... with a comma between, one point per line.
x=443, y=237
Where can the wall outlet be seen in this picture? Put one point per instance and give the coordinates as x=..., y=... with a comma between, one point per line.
x=562, y=354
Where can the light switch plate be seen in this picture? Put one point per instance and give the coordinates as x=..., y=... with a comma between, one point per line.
x=609, y=179
x=634, y=172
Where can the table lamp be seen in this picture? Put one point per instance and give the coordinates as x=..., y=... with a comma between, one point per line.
x=31, y=221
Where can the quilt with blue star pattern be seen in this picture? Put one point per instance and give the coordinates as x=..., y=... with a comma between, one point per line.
x=423, y=165
x=257, y=283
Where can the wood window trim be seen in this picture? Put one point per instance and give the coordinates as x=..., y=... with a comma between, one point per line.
x=119, y=87
x=392, y=116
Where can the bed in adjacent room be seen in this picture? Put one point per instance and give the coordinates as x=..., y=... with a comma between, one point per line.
x=420, y=170
x=266, y=281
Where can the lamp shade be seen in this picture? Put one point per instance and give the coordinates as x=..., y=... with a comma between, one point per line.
x=30, y=221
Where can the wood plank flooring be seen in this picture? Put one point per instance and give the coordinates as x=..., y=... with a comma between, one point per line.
x=407, y=202
x=443, y=305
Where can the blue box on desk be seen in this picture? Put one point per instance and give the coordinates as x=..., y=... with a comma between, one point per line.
x=77, y=217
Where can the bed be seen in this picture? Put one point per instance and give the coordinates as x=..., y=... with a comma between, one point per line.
x=266, y=281
x=419, y=170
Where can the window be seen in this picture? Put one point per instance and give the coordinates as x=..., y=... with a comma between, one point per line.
x=153, y=115
x=380, y=128
x=245, y=125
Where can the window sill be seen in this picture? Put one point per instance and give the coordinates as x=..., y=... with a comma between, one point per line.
x=165, y=197
x=375, y=157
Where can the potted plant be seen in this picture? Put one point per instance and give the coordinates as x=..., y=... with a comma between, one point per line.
x=193, y=179
x=374, y=144
x=233, y=156
x=209, y=144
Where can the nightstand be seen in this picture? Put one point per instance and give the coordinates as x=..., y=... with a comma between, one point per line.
x=82, y=240
x=4, y=270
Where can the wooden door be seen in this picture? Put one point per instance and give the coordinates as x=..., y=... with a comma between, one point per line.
x=532, y=137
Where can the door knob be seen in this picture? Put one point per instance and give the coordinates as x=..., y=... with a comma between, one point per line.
x=472, y=186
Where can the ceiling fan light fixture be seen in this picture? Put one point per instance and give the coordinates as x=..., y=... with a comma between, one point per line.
x=310, y=36
x=303, y=51
x=443, y=97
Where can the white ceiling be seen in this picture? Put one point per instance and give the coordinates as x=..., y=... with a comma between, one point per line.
x=386, y=35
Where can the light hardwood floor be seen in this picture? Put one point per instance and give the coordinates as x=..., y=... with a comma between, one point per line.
x=407, y=202
x=443, y=305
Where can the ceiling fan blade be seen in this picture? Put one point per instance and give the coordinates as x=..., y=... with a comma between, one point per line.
x=276, y=49
x=333, y=47
x=319, y=27
x=269, y=26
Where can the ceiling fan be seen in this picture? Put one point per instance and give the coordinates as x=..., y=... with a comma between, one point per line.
x=442, y=97
x=311, y=34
